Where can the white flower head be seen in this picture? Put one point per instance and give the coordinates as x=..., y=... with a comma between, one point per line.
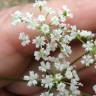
x=44, y=66
x=41, y=18
x=58, y=77
x=40, y=3
x=59, y=66
x=24, y=39
x=46, y=94
x=32, y=78
x=40, y=54
x=66, y=49
x=67, y=12
x=27, y=17
x=55, y=37
x=61, y=87
x=75, y=75
x=39, y=41
x=88, y=45
x=16, y=16
x=55, y=20
x=66, y=39
x=73, y=35
x=51, y=46
x=73, y=28
x=94, y=89
x=74, y=89
x=45, y=28
x=53, y=59
x=61, y=56
x=32, y=24
x=56, y=34
x=87, y=60
x=62, y=18
x=63, y=14
x=47, y=82
x=49, y=10
x=68, y=74
x=85, y=33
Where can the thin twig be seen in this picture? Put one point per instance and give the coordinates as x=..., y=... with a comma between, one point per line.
x=78, y=58
x=11, y=79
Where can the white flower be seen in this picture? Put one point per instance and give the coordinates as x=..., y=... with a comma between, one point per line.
x=51, y=46
x=73, y=28
x=58, y=77
x=29, y=15
x=47, y=82
x=73, y=35
x=49, y=10
x=67, y=11
x=59, y=66
x=66, y=49
x=64, y=93
x=45, y=28
x=44, y=66
x=24, y=39
x=16, y=17
x=53, y=59
x=41, y=18
x=87, y=60
x=32, y=78
x=88, y=45
x=85, y=33
x=32, y=24
x=54, y=20
x=39, y=3
x=46, y=94
x=39, y=41
x=68, y=74
x=40, y=54
x=61, y=87
x=56, y=34
x=94, y=88
x=62, y=18
x=75, y=75
x=66, y=39
x=61, y=56
x=74, y=89
x=27, y=18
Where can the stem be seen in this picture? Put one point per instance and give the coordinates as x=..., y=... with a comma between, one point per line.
x=86, y=94
x=78, y=58
x=11, y=79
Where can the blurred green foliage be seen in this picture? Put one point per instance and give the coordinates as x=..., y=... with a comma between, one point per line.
x=8, y=3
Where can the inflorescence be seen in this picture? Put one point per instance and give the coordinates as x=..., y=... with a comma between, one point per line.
x=55, y=35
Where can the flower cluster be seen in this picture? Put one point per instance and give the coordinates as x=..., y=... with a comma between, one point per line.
x=55, y=35
x=94, y=88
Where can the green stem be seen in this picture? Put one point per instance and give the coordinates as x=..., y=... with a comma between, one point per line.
x=11, y=79
x=79, y=58
x=86, y=94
